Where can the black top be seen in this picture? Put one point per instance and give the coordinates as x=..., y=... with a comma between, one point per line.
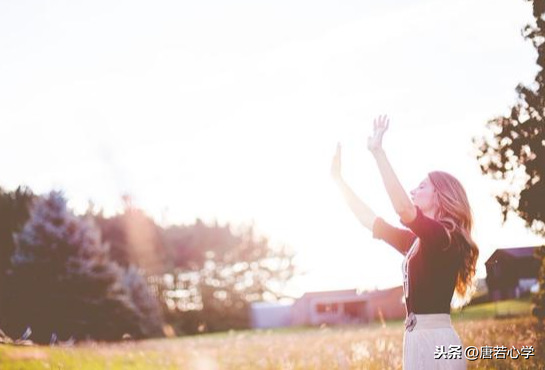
x=432, y=269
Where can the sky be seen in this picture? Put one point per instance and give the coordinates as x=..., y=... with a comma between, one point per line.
x=231, y=111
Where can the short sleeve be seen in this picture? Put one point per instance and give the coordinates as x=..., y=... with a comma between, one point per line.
x=430, y=231
x=400, y=239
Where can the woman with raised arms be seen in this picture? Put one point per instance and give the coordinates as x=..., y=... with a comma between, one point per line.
x=440, y=254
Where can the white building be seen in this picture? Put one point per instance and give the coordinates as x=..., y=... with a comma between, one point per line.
x=270, y=315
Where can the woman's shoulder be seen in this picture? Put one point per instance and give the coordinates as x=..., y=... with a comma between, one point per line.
x=429, y=230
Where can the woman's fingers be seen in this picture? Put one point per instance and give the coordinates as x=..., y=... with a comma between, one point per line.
x=381, y=123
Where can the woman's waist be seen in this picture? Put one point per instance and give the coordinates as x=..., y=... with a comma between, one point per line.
x=427, y=321
x=420, y=305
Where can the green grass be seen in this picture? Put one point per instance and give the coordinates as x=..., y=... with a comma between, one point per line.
x=502, y=309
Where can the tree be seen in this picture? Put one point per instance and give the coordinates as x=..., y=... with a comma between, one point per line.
x=220, y=274
x=203, y=274
x=14, y=212
x=539, y=305
x=189, y=245
x=514, y=149
x=134, y=239
x=63, y=283
x=148, y=307
x=250, y=271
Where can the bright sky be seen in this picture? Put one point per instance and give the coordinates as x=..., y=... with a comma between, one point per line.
x=231, y=111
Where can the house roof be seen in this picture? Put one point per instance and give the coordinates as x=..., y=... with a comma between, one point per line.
x=331, y=293
x=521, y=252
x=328, y=295
x=265, y=305
x=351, y=293
x=384, y=292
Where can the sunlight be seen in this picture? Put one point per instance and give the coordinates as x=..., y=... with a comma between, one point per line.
x=245, y=134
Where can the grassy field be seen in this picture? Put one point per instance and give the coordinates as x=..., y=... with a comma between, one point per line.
x=503, y=309
x=366, y=347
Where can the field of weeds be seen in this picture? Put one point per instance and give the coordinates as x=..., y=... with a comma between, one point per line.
x=370, y=347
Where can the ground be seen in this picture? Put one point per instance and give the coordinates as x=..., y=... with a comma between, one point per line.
x=376, y=346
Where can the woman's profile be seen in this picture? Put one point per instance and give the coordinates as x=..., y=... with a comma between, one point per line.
x=440, y=254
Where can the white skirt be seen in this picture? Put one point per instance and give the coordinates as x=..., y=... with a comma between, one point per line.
x=422, y=344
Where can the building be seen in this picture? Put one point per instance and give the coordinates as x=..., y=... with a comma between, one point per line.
x=386, y=304
x=270, y=315
x=511, y=272
x=330, y=307
x=348, y=307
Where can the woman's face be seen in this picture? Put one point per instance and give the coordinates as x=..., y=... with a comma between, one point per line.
x=423, y=196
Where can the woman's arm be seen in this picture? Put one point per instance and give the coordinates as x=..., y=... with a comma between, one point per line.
x=363, y=213
x=400, y=239
x=401, y=202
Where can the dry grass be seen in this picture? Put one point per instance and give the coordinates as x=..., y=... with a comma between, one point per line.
x=373, y=347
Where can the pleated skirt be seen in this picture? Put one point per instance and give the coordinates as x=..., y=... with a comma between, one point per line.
x=422, y=344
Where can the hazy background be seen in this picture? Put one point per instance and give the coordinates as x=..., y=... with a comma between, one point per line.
x=230, y=111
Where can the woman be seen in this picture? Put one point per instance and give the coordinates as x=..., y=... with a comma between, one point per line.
x=440, y=255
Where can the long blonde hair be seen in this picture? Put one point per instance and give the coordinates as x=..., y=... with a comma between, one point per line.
x=453, y=210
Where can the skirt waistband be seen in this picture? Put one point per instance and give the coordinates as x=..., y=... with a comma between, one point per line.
x=427, y=321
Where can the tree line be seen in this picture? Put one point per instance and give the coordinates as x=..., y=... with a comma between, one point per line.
x=66, y=276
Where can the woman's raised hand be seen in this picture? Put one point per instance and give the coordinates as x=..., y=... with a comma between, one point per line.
x=380, y=125
x=336, y=164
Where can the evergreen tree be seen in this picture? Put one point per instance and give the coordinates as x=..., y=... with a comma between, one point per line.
x=63, y=283
x=14, y=213
x=147, y=304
